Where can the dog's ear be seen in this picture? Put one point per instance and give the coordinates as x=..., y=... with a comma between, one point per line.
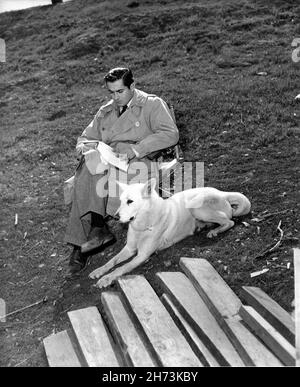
x=123, y=186
x=194, y=202
x=149, y=187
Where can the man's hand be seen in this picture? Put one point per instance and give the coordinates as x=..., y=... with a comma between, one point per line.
x=125, y=148
x=84, y=147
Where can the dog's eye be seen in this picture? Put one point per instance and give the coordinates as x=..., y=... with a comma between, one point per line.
x=129, y=201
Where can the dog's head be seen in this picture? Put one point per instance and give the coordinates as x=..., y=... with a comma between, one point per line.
x=134, y=198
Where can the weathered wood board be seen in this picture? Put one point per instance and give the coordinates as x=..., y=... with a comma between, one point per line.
x=297, y=302
x=2, y=310
x=251, y=350
x=163, y=337
x=199, y=348
x=199, y=321
x=218, y=296
x=196, y=312
x=60, y=351
x=93, y=338
x=125, y=333
x=269, y=335
x=271, y=311
x=225, y=305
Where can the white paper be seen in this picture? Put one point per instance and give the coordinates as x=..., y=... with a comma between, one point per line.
x=108, y=156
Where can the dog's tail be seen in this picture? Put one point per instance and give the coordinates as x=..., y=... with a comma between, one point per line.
x=240, y=203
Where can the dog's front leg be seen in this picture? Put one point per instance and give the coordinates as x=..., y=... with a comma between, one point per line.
x=123, y=255
x=225, y=224
x=128, y=267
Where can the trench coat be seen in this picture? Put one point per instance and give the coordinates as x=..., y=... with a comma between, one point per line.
x=148, y=126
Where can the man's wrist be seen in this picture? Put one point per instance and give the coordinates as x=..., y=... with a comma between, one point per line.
x=135, y=152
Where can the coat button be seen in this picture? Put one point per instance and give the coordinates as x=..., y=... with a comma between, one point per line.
x=137, y=124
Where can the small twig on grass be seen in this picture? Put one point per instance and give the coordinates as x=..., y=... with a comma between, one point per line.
x=270, y=247
x=260, y=218
x=67, y=309
x=281, y=236
x=242, y=122
x=25, y=360
x=280, y=282
x=45, y=299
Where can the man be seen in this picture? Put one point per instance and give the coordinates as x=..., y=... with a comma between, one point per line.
x=133, y=123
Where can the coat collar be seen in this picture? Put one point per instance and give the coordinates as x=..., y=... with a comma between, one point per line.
x=139, y=99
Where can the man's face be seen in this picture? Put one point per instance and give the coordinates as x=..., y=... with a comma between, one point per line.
x=120, y=93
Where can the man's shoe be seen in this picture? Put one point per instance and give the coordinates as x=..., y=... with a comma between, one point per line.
x=78, y=262
x=98, y=237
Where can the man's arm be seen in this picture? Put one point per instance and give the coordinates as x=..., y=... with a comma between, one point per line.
x=91, y=133
x=165, y=131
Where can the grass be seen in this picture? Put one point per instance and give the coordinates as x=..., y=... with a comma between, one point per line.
x=227, y=68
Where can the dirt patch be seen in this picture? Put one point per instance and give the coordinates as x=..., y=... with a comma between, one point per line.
x=225, y=65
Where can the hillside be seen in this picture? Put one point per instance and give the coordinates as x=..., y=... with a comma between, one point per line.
x=226, y=65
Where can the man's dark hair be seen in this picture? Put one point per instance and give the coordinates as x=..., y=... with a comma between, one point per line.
x=123, y=73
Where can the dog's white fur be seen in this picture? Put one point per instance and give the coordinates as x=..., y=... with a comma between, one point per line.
x=157, y=223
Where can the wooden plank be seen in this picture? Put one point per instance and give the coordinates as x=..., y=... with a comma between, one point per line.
x=93, y=338
x=218, y=296
x=162, y=336
x=251, y=350
x=269, y=335
x=271, y=311
x=248, y=347
x=60, y=351
x=196, y=344
x=196, y=312
x=125, y=333
x=297, y=302
x=2, y=310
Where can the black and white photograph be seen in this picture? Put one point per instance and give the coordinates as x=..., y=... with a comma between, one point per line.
x=149, y=186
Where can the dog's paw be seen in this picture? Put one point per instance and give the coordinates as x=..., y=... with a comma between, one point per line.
x=97, y=273
x=104, y=281
x=212, y=234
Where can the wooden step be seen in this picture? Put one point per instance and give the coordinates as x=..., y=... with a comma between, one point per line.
x=271, y=311
x=93, y=338
x=2, y=310
x=269, y=335
x=196, y=312
x=162, y=337
x=225, y=305
x=296, y=252
x=206, y=358
x=253, y=352
x=60, y=351
x=125, y=333
x=218, y=296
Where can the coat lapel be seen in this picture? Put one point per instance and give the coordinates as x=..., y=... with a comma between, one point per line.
x=129, y=119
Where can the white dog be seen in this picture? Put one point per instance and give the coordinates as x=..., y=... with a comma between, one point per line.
x=156, y=223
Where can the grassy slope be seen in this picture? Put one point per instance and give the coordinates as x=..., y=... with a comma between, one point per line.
x=204, y=57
